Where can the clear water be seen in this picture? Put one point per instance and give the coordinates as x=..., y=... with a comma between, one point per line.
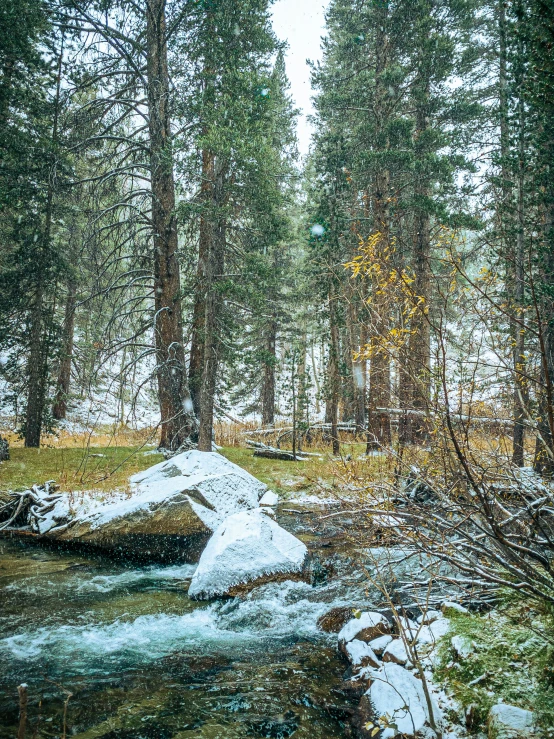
x=143, y=661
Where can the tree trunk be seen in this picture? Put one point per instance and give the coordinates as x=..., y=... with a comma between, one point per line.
x=347, y=374
x=196, y=365
x=315, y=370
x=379, y=432
x=215, y=267
x=40, y=316
x=544, y=449
x=357, y=369
x=520, y=389
x=361, y=419
x=59, y=409
x=37, y=370
x=333, y=378
x=420, y=336
x=518, y=327
x=268, y=382
x=176, y=409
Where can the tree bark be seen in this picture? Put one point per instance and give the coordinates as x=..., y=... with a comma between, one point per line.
x=176, y=409
x=420, y=336
x=196, y=365
x=518, y=271
x=215, y=267
x=333, y=378
x=59, y=409
x=268, y=382
x=379, y=432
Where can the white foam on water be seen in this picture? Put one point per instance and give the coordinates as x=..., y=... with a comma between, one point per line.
x=273, y=611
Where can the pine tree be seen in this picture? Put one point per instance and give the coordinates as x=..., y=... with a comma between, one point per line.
x=34, y=170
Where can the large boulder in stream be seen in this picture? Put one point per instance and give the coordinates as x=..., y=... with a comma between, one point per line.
x=248, y=547
x=170, y=512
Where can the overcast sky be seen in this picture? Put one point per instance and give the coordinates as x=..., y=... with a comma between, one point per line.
x=301, y=24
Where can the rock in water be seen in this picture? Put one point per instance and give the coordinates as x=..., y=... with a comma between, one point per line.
x=269, y=499
x=173, y=508
x=334, y=620
x=396, y=702
x=246, y=547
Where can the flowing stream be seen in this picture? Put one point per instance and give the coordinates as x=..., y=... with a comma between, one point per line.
x=125, y=654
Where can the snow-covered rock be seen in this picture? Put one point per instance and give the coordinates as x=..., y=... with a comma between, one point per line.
x=396, y=652
x=269, y=499
x=360, y=654
x=216, y=487
x=462, y=646
x=247, y=546
x=172, y=507
x=428, y=617
x=381, y=643
x=450, y=606
x=367, y=627
x=510, y=722
x=396, y=702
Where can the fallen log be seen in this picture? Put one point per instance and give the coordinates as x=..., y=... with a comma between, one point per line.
x=319, y=426
x=30, y=507
x=270, y=452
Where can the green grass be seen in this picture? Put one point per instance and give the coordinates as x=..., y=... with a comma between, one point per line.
x=511, y=654
x=78, y=469
x=73, y=468
x=274, y=472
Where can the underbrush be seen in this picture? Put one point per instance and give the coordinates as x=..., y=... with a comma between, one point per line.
x=511, y=661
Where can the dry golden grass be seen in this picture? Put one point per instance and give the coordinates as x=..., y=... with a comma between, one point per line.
x=105, y=458
x=102, y=436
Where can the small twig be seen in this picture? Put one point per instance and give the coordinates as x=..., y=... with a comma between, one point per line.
x=22, y=690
